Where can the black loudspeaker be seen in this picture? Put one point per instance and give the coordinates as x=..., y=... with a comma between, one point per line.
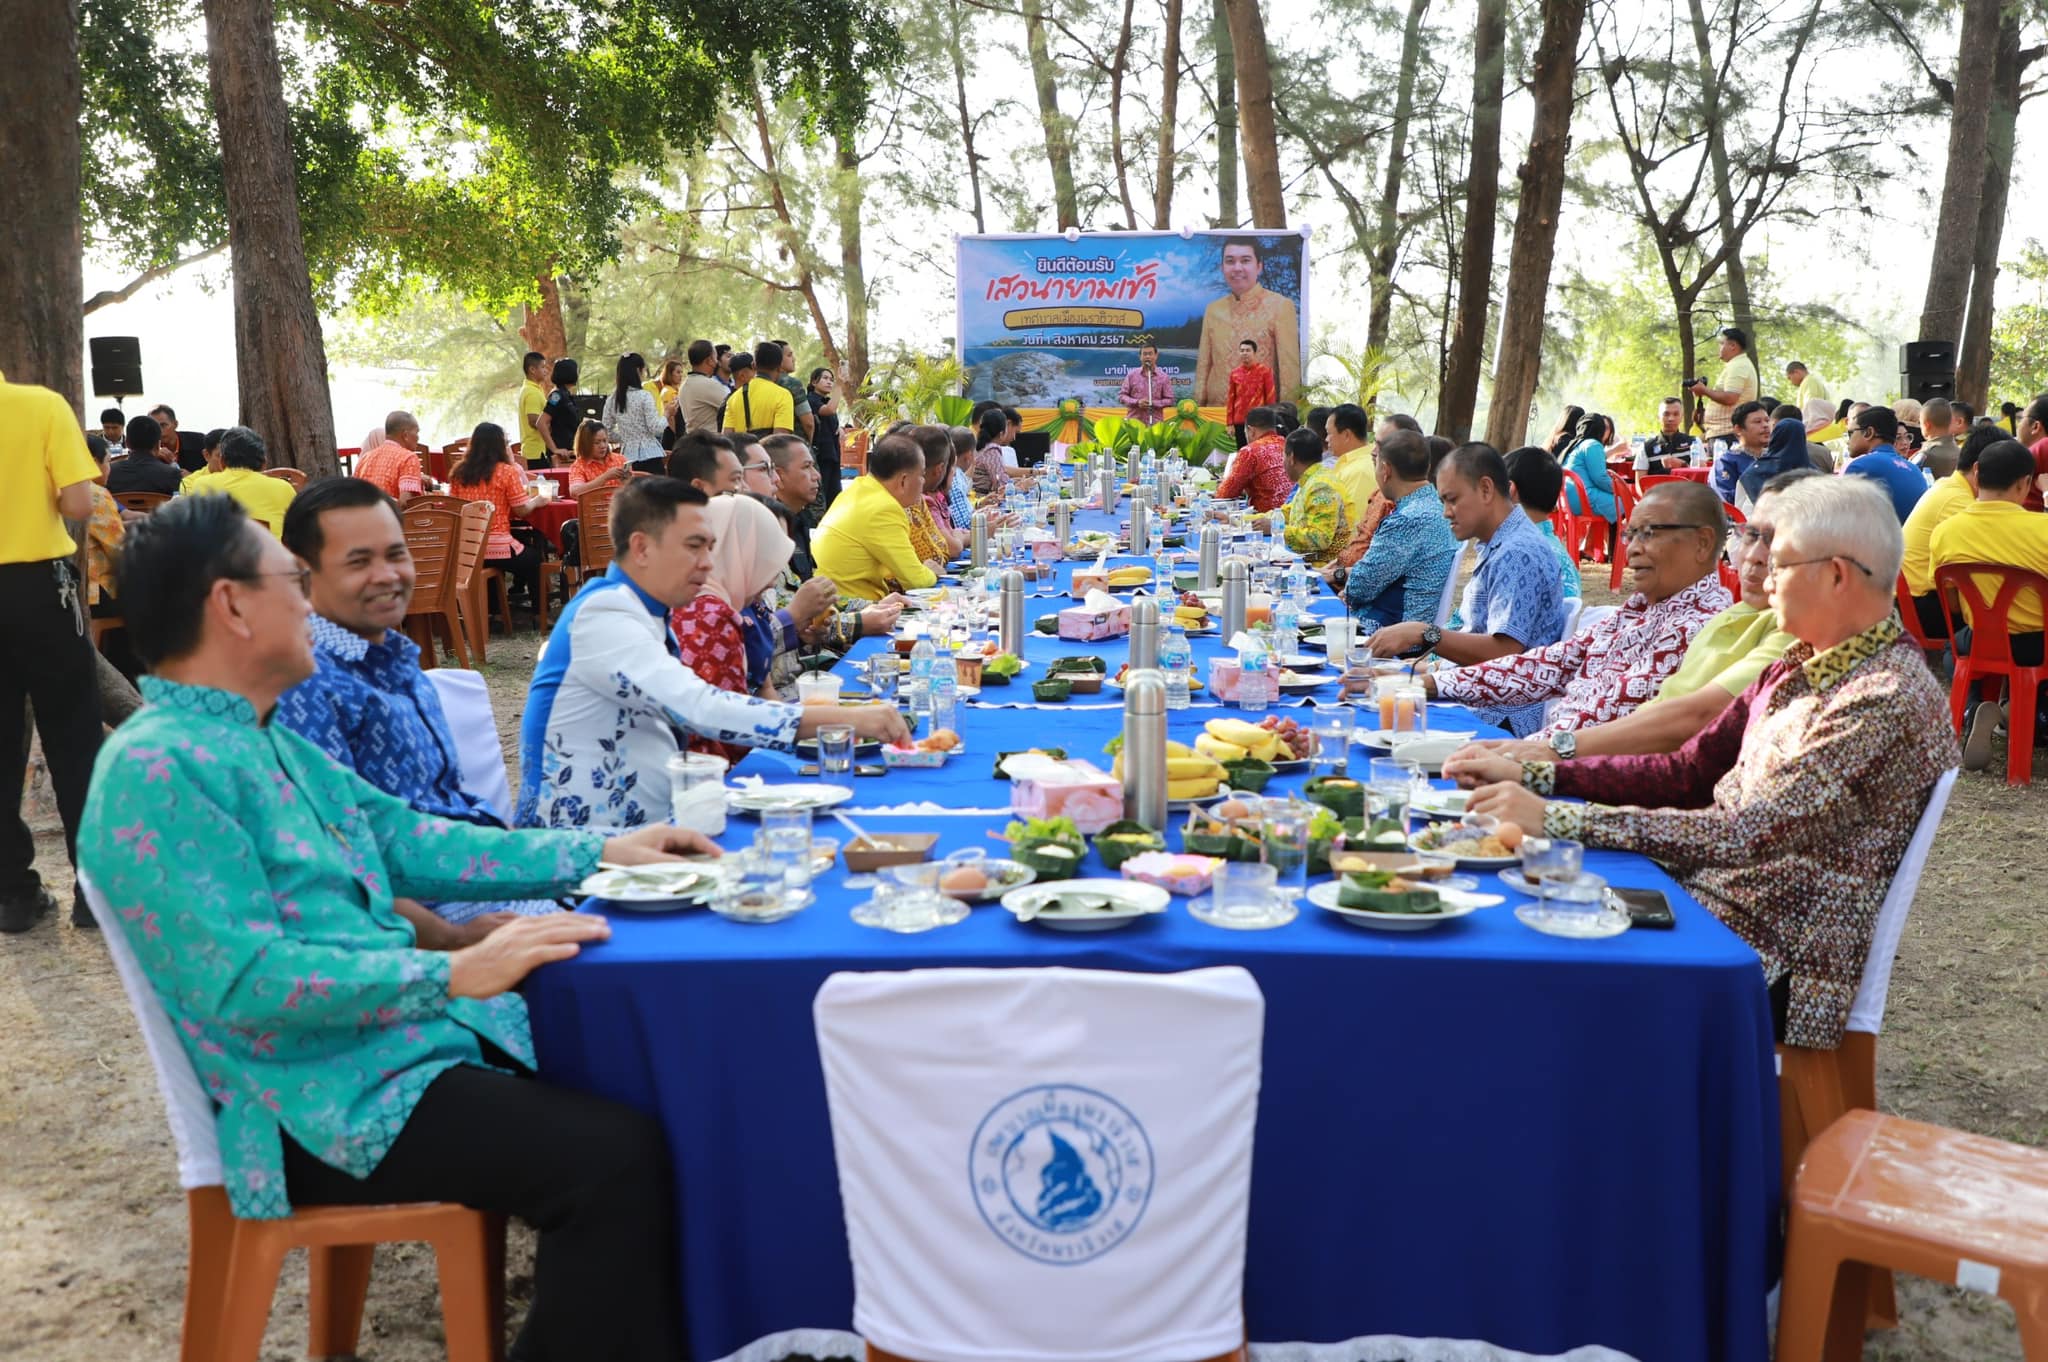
x=591, y=405
x=116, y=366
x=1033, y=447
x=1927, y=369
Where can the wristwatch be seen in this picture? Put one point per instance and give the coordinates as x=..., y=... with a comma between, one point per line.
x=1431, y=636
x=1565, y=743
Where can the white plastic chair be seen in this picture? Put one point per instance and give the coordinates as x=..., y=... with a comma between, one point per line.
x=997, y=1130
x=1866, y=1013
x=1574, y=606
x=1588, y=616
x=1450, y=596
x=467, y=702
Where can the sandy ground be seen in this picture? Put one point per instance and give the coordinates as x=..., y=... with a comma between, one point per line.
x=92, y=1236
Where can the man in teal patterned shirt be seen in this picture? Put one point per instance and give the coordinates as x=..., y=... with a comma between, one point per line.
x=253, y=876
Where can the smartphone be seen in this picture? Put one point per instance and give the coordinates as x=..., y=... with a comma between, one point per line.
x=870, y=770
x=1645, y=907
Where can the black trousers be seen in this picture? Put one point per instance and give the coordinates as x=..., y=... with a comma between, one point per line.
x=523, y=567
x=47, y=664
x=591, y=1176
x=1933, y=623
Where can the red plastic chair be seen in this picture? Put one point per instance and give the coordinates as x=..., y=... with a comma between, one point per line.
x=1591, y=543
x=1734, y=513
x=1624, y=510
x=1909, y=616
x=1565, y=526
x=1649, y=480
x=1991, y=651
x=1731, y=580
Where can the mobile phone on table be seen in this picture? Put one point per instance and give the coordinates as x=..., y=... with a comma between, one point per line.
x=1645, y=907
x=870, y=770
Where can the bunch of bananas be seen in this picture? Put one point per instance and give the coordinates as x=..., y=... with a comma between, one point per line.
x=1129, y=576
x=1191, y=616
x=1189, y=774
x=1234, y=740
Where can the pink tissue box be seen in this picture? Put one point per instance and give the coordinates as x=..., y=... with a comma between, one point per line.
x=1224, y=674
x=1047, y=551
x=1089, y=795
x=1079, y=622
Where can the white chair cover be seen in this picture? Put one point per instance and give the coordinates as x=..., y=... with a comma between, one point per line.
x=1450, y=596
x=467, y=702
x=1866, y=1013
x=1574, y=606
x=1589, y=615
x=1045, y=1165
x=186, y=1104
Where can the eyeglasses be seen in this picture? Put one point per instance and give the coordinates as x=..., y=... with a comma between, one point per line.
x=755, y=467
x=1746, y=535
x=1631, y=533
x=1780, y=569
x=301, y=575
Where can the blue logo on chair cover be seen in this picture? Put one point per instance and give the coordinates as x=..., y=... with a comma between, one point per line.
x=1060, y=1173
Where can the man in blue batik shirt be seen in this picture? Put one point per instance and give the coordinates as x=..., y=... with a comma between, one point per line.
x=1514, y=601
x=368, y=704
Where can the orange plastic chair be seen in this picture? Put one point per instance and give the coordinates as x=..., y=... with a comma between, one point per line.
x=294, y=476
x=434, y=534
x=145, y=502
x=1879, y=1191
x=594, y=537
x=232, y=1267
x=1991, y=651
x=472, y=580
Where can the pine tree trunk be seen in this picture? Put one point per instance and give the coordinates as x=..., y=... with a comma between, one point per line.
x=1227, y=214
x=1059, y=150
x=1724, y=184
x=1962, y=188
x=1482, y=204
x=958, y=54
x=1542, y=178
x=545, y=330
x=1119, y=63
x=1256, y=128
x=1169, y=112
x=853, y=274
x=280, y=358
x=1387, y=231
x=42, y=330
x=1973, y=358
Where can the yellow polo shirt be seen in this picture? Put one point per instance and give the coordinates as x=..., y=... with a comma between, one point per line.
x=1730, y=651
x=863, y=543
x=2004, y=533
x=1940, y=503
x=51, y=456
x=1357, y=481
x=265, y=498
x=761, y=405
x=532, y=402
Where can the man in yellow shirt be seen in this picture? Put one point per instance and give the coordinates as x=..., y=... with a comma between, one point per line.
x=1723, y=660
x=243, y=457
x=1736, y=385
x=758, y=405
x=863, y=543
x=533, y=406
x=1998, y=528
x=1345, y=433
x=49, y=656
x=1941, y=503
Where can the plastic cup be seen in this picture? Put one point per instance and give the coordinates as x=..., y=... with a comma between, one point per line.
x=1242, y=892
x=696, y=791
x=818, y=688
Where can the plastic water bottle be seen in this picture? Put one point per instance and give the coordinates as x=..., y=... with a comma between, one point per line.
x=1156, y=540
x=945, y=687
x=1177, y=660
x=920, y=688
x=1286, y=627
x=1253, y=682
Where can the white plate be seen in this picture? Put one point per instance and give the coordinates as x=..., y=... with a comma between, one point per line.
x=1129, y=901
x=1456, y=904
x=1422, y=841
x=1576, y=926
x=771, y=797
x=633, y=886
x=1306, y=662
x=1442, y=803
x=1183, y=805
x=1387, y=739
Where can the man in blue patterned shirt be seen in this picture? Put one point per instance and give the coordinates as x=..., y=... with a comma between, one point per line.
x=1402, y=575
x=1514, y=602
x=368, y=705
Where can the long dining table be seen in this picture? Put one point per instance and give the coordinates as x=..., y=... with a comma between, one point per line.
x=1475, y=1132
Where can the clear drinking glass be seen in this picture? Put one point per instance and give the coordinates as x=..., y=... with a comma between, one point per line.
x=1242, y=896
x=835, y=749
x=1284, y=844
x=1389, y=786
x=1332, y=732
x=696, y=791
x=785, y=839
x=1411, y=708
x=883, y=675
x=1552, y=859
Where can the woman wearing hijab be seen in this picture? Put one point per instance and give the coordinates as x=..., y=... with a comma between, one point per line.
x=1786, y=451
x=748, y=554
x=1588, y=459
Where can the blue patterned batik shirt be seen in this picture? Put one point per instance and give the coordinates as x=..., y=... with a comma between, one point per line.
x=1401, y=575
x=1516, y=590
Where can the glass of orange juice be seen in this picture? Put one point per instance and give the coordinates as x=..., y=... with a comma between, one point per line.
x=1411, y=708
x=1385, y=689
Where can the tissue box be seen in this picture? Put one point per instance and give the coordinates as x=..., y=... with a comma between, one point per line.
x=1078, y=790
x=1085, y=623
x=1224, y=674
x=1047, y=551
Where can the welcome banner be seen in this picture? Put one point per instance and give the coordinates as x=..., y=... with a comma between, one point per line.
x=1042, y=318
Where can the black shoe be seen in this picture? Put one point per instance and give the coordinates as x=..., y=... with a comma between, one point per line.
x=19, y=912
x=81, y=915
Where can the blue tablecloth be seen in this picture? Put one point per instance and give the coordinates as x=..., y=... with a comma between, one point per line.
x=1471, y=1132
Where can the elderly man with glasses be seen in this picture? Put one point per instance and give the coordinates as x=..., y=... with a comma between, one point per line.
x=1787, y=816
x=1605, y=671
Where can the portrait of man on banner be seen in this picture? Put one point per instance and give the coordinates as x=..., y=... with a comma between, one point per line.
x=1249, y=311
